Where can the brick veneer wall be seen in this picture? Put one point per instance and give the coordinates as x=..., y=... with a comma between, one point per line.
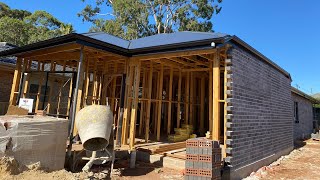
x=5, y=85
x=304, y=127
x=260, y=126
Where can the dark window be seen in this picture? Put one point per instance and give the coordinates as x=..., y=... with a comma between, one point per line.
x=296, y=112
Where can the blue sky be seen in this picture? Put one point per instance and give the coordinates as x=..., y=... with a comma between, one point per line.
x=286, y=31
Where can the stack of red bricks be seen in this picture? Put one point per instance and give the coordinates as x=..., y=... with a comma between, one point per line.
x=203, y=159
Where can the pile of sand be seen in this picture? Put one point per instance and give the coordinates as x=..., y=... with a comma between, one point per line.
x=9, y=166
x=10, y=169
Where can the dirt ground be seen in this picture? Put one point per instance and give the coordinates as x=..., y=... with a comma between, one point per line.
x=11, y=170
x=303, y=163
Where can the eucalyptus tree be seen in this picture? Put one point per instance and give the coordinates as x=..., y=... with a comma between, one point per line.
x=132, y=19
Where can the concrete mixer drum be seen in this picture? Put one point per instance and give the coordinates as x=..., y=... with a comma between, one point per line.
x=95, y=126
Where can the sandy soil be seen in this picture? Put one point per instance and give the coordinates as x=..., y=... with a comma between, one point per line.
x=144, y=171
x=303, y=163
x=11, y=170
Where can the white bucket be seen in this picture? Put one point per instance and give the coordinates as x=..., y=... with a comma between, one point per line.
x=94, y=124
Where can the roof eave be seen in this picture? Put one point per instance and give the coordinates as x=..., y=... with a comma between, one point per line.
x=69, y=38
x=206, y=43
x=304, y=95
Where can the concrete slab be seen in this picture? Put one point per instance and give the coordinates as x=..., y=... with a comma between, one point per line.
x=161, y=160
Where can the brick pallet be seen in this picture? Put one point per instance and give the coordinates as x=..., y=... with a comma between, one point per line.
x=203, y=159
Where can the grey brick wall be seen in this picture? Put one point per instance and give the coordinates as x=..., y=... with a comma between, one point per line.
x=304, y=128
x=5, y=85
x=261, y=123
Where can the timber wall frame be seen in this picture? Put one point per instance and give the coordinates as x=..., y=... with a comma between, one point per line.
x=162, y=91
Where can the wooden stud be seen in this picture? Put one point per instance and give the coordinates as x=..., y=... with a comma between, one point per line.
x=52, y=69
x=40, y=86
x=60, y=88
x=69, y=96
x=170, y=99
x=134, y=107
x=120, y=110
x=26, y=67
x=211, y=97
x=191, y=99
x=187, y=98
x=165, y=102
x=114, y=85
x=100, y=88
x=216, y=98
x=142, y=103
x=130, y=94
x=155, y=118
x=105, y=83
x=15, y=82
x=95, y=83
x=179, y=99
x=149, y=102
x=202, y=104
x=127, y=105
x=160, y=103
x=86, y=84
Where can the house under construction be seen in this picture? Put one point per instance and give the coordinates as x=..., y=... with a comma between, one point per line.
x=163, y=83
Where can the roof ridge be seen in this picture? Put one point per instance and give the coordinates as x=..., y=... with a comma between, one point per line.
x=98, y=32
x=102, y=32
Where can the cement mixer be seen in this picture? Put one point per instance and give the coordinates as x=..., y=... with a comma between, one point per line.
x=95, y=127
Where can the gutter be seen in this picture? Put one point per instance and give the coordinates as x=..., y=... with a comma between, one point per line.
x=304, y=95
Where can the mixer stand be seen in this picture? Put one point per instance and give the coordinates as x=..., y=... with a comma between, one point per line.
x=101, y=157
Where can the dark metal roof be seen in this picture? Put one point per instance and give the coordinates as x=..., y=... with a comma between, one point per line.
x=173, y=38
x=107, y=38
x=4, y=46
x=148, y=45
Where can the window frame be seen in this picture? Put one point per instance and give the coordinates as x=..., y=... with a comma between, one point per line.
x=296, y=111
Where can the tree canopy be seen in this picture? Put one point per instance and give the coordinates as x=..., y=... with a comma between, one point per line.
x=22, y=27
x=131, y=19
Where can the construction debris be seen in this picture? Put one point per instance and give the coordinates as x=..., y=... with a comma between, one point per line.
x=162, y=148
x=316, y=136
